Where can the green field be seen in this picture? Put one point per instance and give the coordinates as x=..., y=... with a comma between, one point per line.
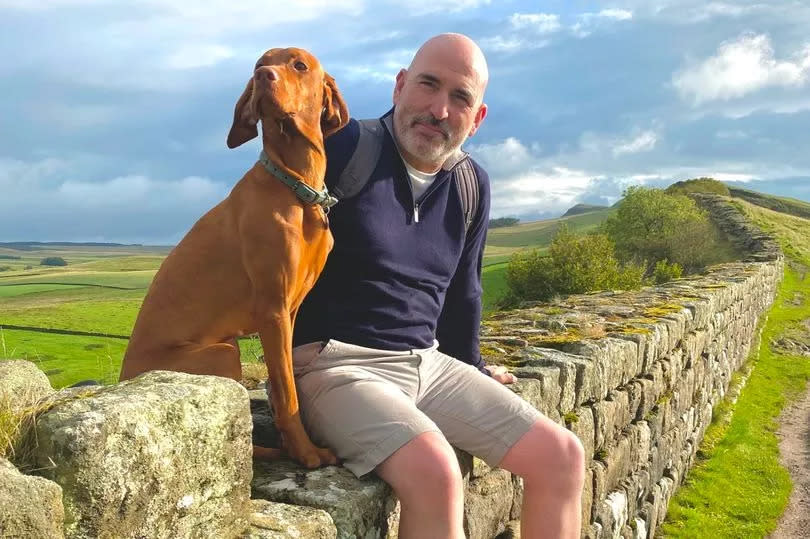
x=66, y=359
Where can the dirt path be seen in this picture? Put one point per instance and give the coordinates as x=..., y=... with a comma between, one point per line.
x=794, y=446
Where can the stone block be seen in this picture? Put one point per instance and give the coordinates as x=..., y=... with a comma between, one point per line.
x=163, y=455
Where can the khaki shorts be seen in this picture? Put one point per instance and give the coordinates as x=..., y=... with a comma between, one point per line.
x=365, y=403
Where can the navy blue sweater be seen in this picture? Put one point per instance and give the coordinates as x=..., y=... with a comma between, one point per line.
x=393, y=280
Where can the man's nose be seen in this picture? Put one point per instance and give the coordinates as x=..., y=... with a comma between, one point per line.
x=438, y=108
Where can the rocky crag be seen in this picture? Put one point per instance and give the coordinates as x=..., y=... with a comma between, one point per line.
x=634, y=375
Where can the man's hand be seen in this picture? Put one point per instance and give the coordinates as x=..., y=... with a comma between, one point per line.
x=500, y=374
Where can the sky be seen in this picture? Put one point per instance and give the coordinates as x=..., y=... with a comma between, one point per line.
x=114, y=114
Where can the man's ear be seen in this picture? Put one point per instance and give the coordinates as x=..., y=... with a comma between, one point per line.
x=399, y=84
x=335, y=112
x=245, y=119
x=479, y=117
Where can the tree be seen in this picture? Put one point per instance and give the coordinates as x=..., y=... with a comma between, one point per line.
x=503, y=221
x=53, y=261
x=652, y=225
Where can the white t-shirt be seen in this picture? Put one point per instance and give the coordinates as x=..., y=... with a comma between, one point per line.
x=420, y=181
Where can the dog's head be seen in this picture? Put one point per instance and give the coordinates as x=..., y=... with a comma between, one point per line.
x=288, y=89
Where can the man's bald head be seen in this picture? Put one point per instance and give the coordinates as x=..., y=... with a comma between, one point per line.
x=458, y=52
x=439, y=100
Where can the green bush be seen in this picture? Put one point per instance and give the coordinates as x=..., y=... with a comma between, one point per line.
x=698, y=185
x=575, y=264
x=53, y=261
x=665, y=272
x=652, y=225
x=503, y=221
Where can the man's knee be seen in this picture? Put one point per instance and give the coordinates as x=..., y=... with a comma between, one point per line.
x=548, y=453
x=426, y=465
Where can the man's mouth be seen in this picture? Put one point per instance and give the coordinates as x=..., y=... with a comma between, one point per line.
x=430, y=126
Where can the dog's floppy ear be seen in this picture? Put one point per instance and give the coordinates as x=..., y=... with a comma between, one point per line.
x=245, y=119
x=335, y=112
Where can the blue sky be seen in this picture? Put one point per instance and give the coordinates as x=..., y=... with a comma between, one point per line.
x=114, y=115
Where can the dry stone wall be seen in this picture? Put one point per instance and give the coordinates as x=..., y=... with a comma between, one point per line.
x=634, y=375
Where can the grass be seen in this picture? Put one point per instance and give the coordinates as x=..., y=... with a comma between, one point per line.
x=10, y=291
x=493, y=280
x=540, y=233
x=66, y=359
x=95, y=310
x=738, y=487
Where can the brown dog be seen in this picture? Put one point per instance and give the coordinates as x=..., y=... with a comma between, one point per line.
x=247, y=264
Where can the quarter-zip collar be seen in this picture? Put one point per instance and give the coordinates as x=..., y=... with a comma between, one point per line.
x=441, y=176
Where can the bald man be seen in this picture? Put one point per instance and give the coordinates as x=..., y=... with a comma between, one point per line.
x=387, y=362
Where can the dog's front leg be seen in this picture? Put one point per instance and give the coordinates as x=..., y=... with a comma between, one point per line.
x=276, y=335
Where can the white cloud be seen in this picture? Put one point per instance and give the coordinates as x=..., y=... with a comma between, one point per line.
x=421, y=7
x=617, y=14
x=383, y=67
x=198, y=55
x=588, y=21
x=42, y=5
x=638, y=141
x=511, y=44
x=525, y=35
x=731, y=177
x=644, y=142
x=42, y=201
x=741, y=67
x=543, y=23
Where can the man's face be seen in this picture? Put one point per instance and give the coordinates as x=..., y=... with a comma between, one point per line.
x=438, y=105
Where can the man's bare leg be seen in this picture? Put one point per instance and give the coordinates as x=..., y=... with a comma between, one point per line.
x=426, y=478
x=550, y=459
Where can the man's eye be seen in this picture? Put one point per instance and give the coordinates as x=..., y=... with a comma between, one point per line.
x=300, y=66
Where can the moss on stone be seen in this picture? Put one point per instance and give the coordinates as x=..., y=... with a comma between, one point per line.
x=554, y=341
x=570, y=418
x=663, y=310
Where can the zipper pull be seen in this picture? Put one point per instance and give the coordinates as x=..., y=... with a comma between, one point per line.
x=416, y=213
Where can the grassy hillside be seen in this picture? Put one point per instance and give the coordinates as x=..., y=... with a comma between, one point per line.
x=791, y=206
x=503, y=241
x=738, y=487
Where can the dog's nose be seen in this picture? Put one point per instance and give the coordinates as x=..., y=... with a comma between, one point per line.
x=266, y=74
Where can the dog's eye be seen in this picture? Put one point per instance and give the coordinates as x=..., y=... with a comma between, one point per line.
x=300, y=66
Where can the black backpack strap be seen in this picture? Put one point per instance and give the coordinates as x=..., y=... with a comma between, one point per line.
x=467, y=184
x=363, y=161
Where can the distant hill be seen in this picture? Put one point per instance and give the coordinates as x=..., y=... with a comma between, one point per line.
x=503, y=241
x=30, y=245
x=791, y=206
x=583, y=208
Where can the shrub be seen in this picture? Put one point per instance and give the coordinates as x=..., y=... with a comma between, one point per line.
x=53, y=261
x=575, y=264
x=503, y=221
x=698, y=185
x=665, y=272
x=652, y=225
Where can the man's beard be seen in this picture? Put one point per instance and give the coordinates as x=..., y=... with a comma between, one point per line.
x=435, y=150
